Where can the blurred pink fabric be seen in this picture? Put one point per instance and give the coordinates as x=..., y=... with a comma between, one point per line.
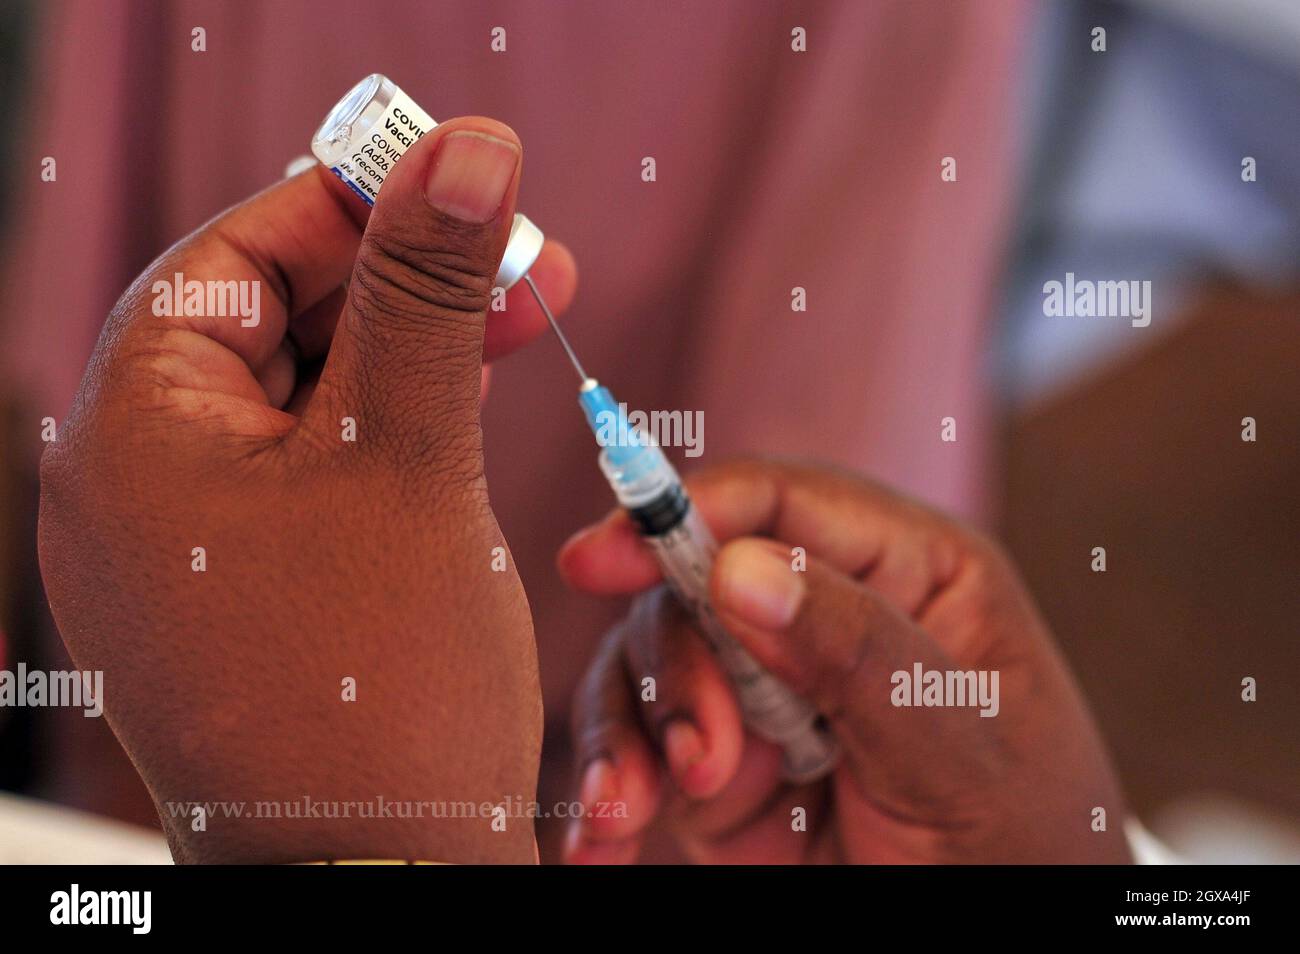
x=775, y=169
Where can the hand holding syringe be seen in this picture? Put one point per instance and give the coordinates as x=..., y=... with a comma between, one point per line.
x=648, y=487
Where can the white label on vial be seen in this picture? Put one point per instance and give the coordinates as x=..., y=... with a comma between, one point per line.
x=367, y=165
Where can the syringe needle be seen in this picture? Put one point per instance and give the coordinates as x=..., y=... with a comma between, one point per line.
x=541, y=303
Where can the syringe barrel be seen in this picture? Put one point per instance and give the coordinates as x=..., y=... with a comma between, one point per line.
x=685, y=549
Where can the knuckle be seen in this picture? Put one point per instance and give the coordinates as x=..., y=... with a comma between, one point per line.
x=848, y=634
x=943, y=553
x=851, y=646
x=156, y=362
x=989, y=585
x=989, y=560
x=405, y=316
x=401, y=280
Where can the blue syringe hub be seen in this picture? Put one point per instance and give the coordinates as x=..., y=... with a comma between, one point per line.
x=635, y=467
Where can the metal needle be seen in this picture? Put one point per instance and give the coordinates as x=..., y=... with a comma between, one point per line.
x=555, y=327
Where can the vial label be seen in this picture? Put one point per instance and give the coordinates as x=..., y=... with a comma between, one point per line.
x=367, y=164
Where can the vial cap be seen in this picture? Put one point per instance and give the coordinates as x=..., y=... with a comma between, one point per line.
x=522, y=249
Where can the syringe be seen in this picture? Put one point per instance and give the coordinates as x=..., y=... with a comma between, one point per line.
x=648, y=487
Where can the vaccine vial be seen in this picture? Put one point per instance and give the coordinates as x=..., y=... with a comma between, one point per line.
x=365, y=134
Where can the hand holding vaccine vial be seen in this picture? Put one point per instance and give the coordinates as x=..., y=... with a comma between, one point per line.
x=365, y=134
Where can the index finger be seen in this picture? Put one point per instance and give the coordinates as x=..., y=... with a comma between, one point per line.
x=293, y=244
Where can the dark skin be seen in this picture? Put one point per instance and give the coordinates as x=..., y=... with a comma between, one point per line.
x=326, y=559
x=888, y=583
x=373, y=560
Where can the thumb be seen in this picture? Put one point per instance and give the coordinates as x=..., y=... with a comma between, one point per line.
x=406, y=359
x=838, y=643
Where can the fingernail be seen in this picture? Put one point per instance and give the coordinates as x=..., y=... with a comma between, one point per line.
x=758, y=586
x=599, y=783
x=470, y=175
x=683, y=745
